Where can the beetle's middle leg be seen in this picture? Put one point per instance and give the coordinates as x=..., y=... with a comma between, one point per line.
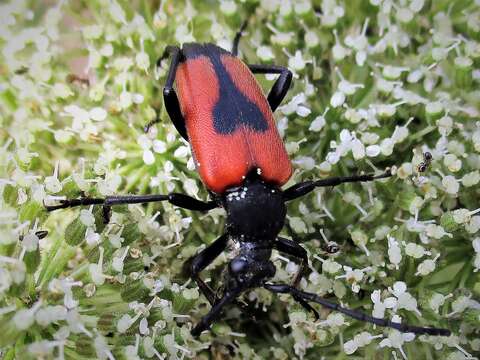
x=292, y=248
x=177, y=199
x=303, y=188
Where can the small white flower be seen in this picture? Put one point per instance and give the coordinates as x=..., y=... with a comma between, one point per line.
x=87, y=218
x=427, y=266
x=396, y=340
x=438, y=300
x=338, y=98
x=98, y=114
x=148, y=157
x=182, y=152
x=304, y=162
x=414, y=250
x=296, y=62
x=404, y=299
x=451, y=185
x=265, y=53
x=394, y=252
x=96, y=271
x=358, y=149
x=297, y=224
x=142, y=61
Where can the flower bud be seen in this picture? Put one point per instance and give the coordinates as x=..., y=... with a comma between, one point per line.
x=221, y=329
x=447, y=221
x=75, y=232
x=463, y=72
x=30, y=210
x=32, y=260
x=130, y=234
x=136, y=290
x=185, y=300
x=434, y=110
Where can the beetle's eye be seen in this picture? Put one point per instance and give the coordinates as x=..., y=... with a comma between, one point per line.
x=238, y=265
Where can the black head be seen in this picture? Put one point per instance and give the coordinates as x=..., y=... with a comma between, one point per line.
x=249, y=270
x=255, y=211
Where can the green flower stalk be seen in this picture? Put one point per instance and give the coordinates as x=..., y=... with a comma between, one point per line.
x=377, y=84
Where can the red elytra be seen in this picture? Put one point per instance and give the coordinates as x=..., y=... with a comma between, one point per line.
x=214, y=87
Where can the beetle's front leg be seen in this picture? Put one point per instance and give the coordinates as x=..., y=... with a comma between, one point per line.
x=202, y=260
x=215, y=312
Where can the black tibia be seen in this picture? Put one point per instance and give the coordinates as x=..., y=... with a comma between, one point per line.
x=307, y=307
x=292, y=248
x=170, y=98
x=237, y=37
x=176, y=199
x=281, y=86
x=214, y=312
x=305, y=187
x=296, y=293
x=106, y=214
x=202, y=260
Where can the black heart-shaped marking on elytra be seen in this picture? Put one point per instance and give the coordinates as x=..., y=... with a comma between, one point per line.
x=233, y=108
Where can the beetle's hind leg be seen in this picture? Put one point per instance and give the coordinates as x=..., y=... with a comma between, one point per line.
x=281, y=86
x=303, y=188
x=309, y=297
x=170, y=98
x=291, y=248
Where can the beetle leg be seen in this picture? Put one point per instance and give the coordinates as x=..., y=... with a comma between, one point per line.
x=215, y=312
x=306, y=296
x=205, y=258
x=170, y=98
x=305, y=187
x=281, y=86
x=202, y=260
x=180, y=200
x=292, y=248
x=237, y=37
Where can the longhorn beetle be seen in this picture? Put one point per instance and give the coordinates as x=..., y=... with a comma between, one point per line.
x=221, y=110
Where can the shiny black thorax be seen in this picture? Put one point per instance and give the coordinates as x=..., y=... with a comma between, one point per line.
x=255, y=215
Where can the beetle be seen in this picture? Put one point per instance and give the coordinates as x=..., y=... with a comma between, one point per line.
x=220, y=109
